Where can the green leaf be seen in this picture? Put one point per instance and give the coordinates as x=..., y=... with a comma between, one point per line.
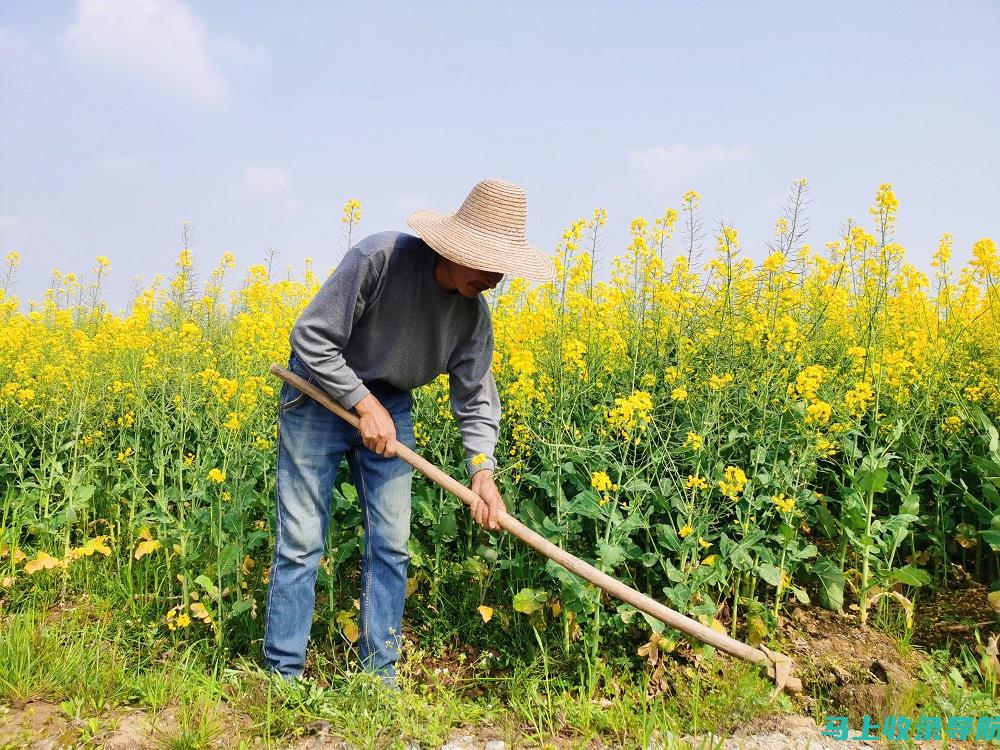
x=554, y=528
x=769, y=573
x=84, y=492
x=655, y=625
x=992, y=538
x=489, y=554
x=576, y=595
x=985, y=514
x=956, y=677
x=228, y=558
x=756, y=630
x=724, y=545
x=674, y=575
x=831, y=583
x=206, y=583
x=529, y=601
x=873, y=481
x=345, y=550
x=910, y=505
x=707, y=607
x=586, y=504
x=446, y=529
x=531, y=514
x=611, y=555
x=238, y=609
x=545, y=481
x=805, y=553
x=667, y=537
x=990, y=491
x=910, y=576
x=626, y=612
x=678, y=595
x=637, y=485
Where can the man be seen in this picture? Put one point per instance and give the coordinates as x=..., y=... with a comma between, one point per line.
x=396, y=313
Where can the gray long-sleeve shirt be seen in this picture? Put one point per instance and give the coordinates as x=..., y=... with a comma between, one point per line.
x=381, y=315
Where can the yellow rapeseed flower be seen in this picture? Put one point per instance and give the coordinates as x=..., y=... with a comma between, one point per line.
x=352, y=212
x=733, y=483
x=216, y=475
x=696, y=482
x=694, y=441
x=718, y=382
x=631, y=414
x=783, y=503
x=600, y=481
x=818, y=413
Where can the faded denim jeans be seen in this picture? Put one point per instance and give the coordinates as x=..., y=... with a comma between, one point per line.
x=312, y=441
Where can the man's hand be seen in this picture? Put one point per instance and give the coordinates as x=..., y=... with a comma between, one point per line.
x=486, y=511
x=378, y=431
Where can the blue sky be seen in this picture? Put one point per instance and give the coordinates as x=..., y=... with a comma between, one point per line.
x=255, y=122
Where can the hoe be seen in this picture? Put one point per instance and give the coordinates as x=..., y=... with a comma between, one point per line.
x=779, y=667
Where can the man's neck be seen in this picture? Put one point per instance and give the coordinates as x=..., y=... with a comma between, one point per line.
x=442, y=275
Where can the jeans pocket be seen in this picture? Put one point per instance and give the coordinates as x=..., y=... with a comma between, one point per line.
x=291, y=396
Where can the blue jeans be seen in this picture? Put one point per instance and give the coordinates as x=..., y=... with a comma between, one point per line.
x=312, y=441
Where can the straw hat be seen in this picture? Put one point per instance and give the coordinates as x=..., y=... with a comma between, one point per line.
x=487, y=232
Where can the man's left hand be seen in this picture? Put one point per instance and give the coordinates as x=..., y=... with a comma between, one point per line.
x=486, y=511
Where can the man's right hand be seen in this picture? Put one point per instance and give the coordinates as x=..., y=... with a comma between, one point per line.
x=378, y=432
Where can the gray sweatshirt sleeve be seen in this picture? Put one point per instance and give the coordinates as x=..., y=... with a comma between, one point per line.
x=322, y=331
x=474, y=398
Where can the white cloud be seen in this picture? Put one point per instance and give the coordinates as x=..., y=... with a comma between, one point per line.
x=266, y=183
x=227, y=48
x=678, y=165
x=160, y=39
x=13, y=47
x=8, y=222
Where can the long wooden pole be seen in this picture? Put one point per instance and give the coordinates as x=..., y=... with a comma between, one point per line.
x=779, y=666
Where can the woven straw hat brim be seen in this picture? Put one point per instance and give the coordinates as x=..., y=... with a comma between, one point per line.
x=451, y=237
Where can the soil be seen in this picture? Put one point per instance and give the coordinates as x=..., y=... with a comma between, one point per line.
x=950, y=618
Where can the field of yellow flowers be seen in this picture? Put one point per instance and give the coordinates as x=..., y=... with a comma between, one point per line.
x=723, y=435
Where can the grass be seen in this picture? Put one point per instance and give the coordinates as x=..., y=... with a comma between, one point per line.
x=190, y=701
x=95, y=664
x=95, y=660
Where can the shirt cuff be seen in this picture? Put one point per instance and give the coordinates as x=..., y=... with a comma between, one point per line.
x=351, y=399
x=489, y=463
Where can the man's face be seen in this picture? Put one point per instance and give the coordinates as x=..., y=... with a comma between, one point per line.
x=471, y=282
